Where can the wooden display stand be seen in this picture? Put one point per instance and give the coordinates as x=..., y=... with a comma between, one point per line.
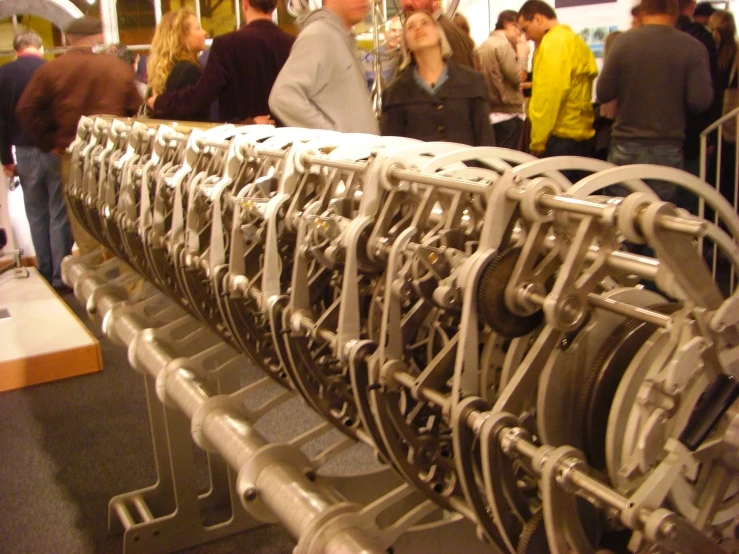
x=41, y=339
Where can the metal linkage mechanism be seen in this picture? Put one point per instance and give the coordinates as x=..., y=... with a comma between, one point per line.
x=530, y=365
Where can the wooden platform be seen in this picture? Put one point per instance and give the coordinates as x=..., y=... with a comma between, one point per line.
x=41, y=339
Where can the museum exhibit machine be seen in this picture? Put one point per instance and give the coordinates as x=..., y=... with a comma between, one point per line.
x=534, y=365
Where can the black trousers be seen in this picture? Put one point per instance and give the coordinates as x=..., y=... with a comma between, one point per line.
x=508, y=133
x=558, y=146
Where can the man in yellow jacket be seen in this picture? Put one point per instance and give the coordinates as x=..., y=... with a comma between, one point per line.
x=561, y=106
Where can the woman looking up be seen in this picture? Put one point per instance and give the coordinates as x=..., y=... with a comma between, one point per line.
x=173, y=63
x=432, y=98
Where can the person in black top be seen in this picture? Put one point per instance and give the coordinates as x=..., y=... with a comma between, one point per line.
x=696, y=122
x=39, y=173
x=173, y=64
x=433, y=98
x=241, y=70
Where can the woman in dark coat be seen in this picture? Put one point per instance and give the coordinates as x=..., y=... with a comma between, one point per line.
x=432, y=98
x=173, y=63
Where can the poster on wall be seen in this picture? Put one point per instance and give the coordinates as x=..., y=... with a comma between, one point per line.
x=595, y=38
x=575, y=3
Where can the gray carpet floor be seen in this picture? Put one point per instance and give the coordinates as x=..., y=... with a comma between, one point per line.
x=67, y=447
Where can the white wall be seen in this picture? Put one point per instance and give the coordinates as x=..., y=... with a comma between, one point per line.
x=482, y=15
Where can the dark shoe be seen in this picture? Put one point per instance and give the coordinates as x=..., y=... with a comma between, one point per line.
x=63, y=289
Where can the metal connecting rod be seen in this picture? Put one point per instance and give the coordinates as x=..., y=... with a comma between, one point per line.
x=284, y=488
x=571, y=475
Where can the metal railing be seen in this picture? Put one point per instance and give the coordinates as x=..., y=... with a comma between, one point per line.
x=718, y=170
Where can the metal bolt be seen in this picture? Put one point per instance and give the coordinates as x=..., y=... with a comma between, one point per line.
x=250, y=493
x=670, y=530
x=571, y=309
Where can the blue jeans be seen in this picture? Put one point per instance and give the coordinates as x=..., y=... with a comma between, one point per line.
x=558, y=146
x=41, y=180
x=642, y=153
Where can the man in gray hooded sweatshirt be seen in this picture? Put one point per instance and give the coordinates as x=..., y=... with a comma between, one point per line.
x=322, y=84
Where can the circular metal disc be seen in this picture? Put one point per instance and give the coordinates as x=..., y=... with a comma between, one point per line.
x=491, y=304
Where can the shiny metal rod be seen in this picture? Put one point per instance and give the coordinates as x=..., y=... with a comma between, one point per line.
x=596, y=209
x=283, y=487
x=310, y=159
x=453, y=183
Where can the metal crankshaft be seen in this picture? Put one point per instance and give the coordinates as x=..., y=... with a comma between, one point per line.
x=537, y=366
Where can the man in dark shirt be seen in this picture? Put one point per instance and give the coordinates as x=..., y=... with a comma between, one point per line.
x=242, y=67
x=78, y=83
x=39, y=172
x=657, y=74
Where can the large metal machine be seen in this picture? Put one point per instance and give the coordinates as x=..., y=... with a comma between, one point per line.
x=535, y=365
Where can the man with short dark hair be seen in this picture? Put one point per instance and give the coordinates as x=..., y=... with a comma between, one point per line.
x=322, y=84
x=657, y=74
x=504, y=73
x=38, y=172
x=702, y=12
x=560, y=110
x=78, y=83
x=463, y=47
x=123, y=52
x=241, y=70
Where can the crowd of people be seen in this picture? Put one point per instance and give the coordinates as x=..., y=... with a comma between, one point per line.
x=661, y=84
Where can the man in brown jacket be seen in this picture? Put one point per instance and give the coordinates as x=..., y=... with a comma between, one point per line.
x=503, y=74
x=76, y=84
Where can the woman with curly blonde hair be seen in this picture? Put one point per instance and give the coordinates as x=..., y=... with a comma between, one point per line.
x=173, y=62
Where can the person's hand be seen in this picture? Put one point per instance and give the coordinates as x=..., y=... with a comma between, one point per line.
x=59, y=151
x=9, y=170
x=264, y=120
x=523, y=76
x=523, y=47
x=151, y=100
x=524, y=86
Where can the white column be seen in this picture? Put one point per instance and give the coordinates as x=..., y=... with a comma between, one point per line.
x=157, y=11
x=109, y=15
